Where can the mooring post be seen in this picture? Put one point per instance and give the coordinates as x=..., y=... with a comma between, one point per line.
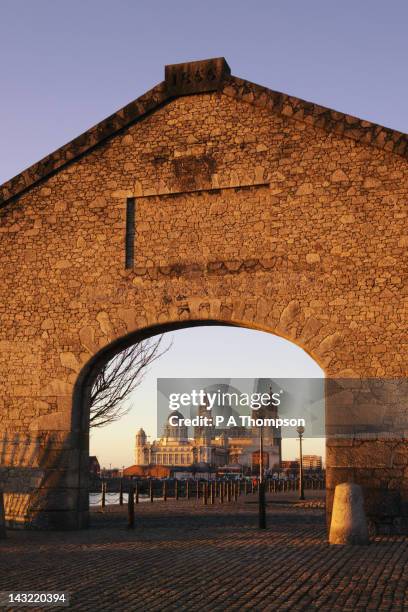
x=137, y=491
x=228, y=491
x=164, y=490
x=188, y=489
x=151, y=490
x=176, y=490
x=121, y=492
x=212, y=492
x=131, y=507
x=197, y=490
x=103, y=498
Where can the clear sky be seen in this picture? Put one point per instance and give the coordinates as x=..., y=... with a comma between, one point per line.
x=66, y=65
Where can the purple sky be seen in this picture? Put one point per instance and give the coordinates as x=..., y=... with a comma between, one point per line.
x=67, y=65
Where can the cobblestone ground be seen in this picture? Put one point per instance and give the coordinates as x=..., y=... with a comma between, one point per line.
x=184, y=556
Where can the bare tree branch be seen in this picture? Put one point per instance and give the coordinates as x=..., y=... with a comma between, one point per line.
x=119, y=377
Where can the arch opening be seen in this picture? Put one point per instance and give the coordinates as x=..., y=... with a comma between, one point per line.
x=86, y=378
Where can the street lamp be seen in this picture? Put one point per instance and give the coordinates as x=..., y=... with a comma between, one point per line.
x=261, y=488
x=301, y=431
x=261, y=454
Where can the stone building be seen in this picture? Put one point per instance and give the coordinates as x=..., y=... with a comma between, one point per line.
x=209, y=200
x=173, y=448
x=94, y=467
x=312, y=462
x=211, y=446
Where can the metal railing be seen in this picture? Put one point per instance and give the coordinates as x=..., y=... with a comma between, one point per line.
x=207, y=492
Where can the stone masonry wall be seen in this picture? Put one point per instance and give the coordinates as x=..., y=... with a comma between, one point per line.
x=242, y=214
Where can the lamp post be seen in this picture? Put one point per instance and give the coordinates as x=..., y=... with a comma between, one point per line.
x=301, y=431
x=261, y=488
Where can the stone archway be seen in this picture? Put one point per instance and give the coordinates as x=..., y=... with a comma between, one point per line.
x=83, y=385
x=207, y=198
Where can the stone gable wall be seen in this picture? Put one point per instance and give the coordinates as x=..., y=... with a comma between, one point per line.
x=242, y=215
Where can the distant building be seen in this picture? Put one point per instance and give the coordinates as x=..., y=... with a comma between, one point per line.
x=312, y=462
x=111, y=473
x=214, y=447
x=141, y=471
x=290, y=465
x=94, y=467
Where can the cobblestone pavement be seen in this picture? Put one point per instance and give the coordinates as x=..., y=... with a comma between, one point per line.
x=184, y=556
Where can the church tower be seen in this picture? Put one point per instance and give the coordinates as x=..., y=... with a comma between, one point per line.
x=140, y=447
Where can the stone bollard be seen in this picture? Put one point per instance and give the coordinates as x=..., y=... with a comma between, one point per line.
x=2, y=517
x=348, y=522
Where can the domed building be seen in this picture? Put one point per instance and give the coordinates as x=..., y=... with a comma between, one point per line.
x=175, y=432
x=174, y=448
x=214, y=447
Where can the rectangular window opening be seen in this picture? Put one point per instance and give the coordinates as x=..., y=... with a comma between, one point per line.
x=130, y=233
